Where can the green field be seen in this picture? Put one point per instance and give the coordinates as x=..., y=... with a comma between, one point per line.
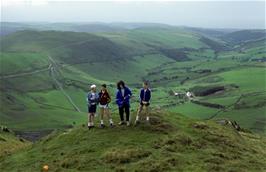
x=173, y=60
x=45, y=76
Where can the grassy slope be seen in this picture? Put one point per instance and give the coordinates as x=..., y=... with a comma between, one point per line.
x=9, y=144
x=142, y=61
x=33, y=100
x=12, y=62
x=171, y=143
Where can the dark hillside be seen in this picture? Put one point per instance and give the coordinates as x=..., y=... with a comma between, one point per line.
x=244, y=36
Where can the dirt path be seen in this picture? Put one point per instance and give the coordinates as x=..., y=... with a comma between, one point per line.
x=233, y=104
x=224, y=109
x=26, y=73
x=54, y=67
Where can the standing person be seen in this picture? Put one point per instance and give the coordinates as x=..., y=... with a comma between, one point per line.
x=104, y=100
x=92, y=99
x=123, y=101
x=144, y=97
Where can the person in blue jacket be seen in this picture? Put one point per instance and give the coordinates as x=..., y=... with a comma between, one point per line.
x=144, y=98
x=123, y=96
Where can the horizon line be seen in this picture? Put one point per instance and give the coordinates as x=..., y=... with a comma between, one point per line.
x=124, y=22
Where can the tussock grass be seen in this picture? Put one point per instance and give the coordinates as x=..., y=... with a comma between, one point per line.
x=125, y=155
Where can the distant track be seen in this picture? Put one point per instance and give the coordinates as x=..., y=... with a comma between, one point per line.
x=26, y=73
x=52, y=67
x=53, y=75
x=224, y=109
x=45, y=69
x=237, y=101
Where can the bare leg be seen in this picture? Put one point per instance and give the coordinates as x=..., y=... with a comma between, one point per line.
x=92, y=119
x=89, y=119
x=139, y=112
x=147, y=112
x=108, y=114
x=101, y=115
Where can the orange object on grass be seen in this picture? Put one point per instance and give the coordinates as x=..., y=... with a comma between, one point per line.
x=45, y=168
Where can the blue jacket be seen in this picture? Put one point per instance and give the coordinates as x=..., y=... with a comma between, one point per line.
x=145, y=96
x=92, y=100
x=120, y=100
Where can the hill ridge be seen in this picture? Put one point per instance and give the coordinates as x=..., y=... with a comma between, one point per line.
x=162, y=146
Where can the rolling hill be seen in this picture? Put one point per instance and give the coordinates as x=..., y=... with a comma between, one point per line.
x=244, y=36
x=45, y=74
x=171, y=143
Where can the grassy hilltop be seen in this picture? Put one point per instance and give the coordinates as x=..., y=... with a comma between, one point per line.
x=171, y=143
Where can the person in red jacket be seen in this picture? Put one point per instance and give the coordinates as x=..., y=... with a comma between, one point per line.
x=104, y=100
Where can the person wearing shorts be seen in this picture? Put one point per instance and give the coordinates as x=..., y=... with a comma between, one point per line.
x=92, y=100
x=144, y=97
x=104, y=100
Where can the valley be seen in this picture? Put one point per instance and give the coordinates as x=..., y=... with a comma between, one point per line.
x=46, y=72
x=47, y=89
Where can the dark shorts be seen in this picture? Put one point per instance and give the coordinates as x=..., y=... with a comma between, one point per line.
x=92, y=108
x=148, y=104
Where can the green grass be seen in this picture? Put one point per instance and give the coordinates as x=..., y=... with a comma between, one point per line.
x=250, y=118
x=86, y=59
x=19, y=62
x=39, y=111
x=246, y=78
x=194, y=111
x=172, y=142
x=179, y=144
x=9, y=143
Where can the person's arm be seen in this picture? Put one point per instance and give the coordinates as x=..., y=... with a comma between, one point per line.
x=140, y=96
x=117, y=97
x=149, y=95
x=129, y=92
x=97, y=98
x=89, y=98
x=109, y=97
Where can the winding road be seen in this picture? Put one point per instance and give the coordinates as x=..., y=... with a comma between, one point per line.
x=62, y=89
x=26, y=73
x=53, y=66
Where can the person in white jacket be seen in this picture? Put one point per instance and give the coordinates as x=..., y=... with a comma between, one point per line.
x=92, y=100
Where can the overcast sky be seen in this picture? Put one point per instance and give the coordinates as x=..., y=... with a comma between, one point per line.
x=218, y=14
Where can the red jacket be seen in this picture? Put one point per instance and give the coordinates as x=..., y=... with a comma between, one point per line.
x=104, y=98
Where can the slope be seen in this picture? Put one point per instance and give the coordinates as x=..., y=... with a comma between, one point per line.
x=9, y=143
x=171, y=143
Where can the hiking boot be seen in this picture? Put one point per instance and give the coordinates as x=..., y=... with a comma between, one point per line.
x=121, y=123
x=128, y=123
x=102, y=125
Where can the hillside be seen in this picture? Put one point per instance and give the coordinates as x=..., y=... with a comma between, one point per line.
x=171, y=143
x=11, y=27
x=9, y=143
x=241, y=36
x=45, y=74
